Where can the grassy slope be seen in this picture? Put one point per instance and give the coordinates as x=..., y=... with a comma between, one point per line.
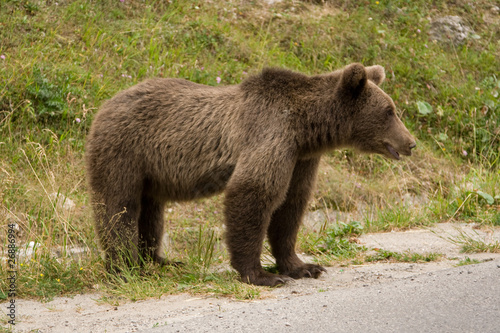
x=61, y=61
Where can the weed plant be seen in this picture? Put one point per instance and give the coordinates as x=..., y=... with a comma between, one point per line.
x=468, y=261
x=475, y=244
x=384, y=255
x=334, y=241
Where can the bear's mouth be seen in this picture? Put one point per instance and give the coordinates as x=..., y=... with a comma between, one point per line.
x=392, y=151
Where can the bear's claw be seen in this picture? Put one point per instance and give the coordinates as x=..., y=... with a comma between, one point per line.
x=264, y=278
x=306, y=270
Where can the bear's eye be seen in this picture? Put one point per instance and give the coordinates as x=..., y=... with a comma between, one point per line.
x=389, y=112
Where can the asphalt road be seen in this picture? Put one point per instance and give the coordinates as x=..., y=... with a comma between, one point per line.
x=460, y=299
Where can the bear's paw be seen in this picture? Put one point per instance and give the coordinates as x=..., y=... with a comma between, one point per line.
x=305, y=271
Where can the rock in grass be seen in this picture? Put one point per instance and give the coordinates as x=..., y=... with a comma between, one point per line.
x=450, y=29
x=62, y=202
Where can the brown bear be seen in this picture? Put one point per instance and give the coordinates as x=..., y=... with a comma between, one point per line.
x=260, y=142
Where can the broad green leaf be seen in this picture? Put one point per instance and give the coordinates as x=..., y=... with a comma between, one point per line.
x=486, y=197
x=424, y=108
x=489, y=103
x=443, y=137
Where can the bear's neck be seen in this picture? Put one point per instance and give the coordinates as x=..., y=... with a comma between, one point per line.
x=309, y=104
x=322, y=126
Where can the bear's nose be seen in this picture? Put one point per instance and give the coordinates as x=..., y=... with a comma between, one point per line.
x=413, y=145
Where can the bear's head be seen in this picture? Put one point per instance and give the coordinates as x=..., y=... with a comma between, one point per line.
x=374, y=126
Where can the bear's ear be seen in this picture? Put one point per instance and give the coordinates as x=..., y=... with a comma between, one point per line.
x=353, y=78
x=376, y=74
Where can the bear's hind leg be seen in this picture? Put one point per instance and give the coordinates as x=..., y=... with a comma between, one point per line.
x=116, y=226
x=151, y=225
x=286, y=220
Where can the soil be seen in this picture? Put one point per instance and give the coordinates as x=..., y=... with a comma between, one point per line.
x=87, y=313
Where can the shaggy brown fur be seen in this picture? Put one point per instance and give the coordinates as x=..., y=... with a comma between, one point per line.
x=260, y=142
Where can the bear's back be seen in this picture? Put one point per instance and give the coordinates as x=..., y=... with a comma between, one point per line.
x=180, y=134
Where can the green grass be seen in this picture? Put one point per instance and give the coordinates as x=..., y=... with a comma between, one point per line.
x=390, y=256
x=468, y=261
x=397, y=218
x=475, y=244
x=333, y=242
x=60, y=62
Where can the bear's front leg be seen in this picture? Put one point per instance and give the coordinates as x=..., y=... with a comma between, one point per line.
x=252, y=194
x=286, y=220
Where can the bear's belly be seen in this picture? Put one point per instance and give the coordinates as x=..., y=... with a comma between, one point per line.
x=209, y=183
x=191, y=184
